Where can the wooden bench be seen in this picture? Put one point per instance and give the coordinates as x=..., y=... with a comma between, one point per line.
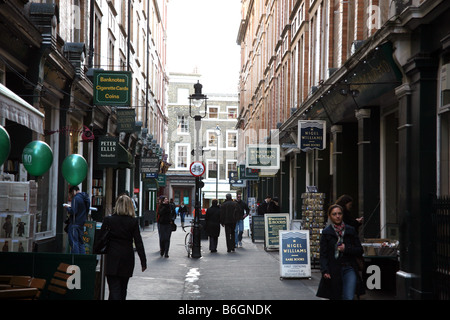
x=19, y=294
x=22, y=287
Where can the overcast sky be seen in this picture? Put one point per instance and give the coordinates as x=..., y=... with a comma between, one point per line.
x=202, y=34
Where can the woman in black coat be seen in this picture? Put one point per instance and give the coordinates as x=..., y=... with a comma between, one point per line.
x=119, y=259
x=165, y=220
x=339, y=248
x=212, y=226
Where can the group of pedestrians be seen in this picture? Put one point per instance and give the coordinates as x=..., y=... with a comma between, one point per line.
x=340, y=247
x=230, y=215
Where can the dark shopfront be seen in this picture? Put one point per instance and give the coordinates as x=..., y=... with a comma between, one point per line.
x=398, y=111
x=361, y=159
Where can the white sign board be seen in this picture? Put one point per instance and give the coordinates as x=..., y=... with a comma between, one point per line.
x=295, y=260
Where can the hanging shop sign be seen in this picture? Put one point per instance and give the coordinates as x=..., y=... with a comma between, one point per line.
x=112, y=88
x=107, y=150
x=294, y=254
x=312, y=134
x=126, y=120
x=262, y=156
x=273, y=223
x=248, y=173
x=150, y=165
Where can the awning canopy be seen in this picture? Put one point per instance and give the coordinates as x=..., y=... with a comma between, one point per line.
x=16, y=109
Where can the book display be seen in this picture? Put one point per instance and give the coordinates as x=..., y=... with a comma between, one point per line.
x=18, y=205
x=314, y=219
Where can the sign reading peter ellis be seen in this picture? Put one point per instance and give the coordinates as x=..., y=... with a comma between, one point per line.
x=312, y=134
x=112, y=88
x=107, y=150
x=294, y=254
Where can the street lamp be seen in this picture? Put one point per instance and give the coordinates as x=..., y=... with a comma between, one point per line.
x=197, y=99
x=218, y=132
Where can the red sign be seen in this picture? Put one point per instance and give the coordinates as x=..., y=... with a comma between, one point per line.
x=197, y=168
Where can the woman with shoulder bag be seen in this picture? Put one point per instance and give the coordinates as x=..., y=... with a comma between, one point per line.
x=339, y=248
x=165, y=227
x=123, y=229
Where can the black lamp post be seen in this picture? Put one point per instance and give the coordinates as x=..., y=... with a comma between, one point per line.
x=198, y=96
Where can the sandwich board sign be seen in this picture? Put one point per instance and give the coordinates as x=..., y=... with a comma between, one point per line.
x=295, y=260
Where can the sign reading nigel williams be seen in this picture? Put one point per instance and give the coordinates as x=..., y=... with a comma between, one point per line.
x=312, y=134
x=294, y=254
x=112, y=88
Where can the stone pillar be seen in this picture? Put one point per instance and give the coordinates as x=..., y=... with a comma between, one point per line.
x=336, y=134
x=369, y=170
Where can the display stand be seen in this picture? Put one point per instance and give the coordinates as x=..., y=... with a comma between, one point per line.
x=314, y=219
x=18, y=205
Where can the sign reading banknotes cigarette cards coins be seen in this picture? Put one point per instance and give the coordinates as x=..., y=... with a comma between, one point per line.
x=197, y=168
x=112, y=88
x=294, y=254
x=312, y=134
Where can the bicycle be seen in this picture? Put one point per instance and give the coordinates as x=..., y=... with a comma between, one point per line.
x=188, y=239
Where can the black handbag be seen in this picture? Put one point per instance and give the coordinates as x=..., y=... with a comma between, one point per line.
x=174, y=226
x=101, y=244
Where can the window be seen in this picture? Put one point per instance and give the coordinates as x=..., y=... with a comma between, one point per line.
x=232, y=113
x=212, y=139
x=231, y=166
x=182, y=124
x=212, y=169
x=182, y=155
x=231, y=139
x=213, y=112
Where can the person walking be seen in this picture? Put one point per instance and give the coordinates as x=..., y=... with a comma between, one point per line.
x=244, y=211
x=346, y=202
x=165, y=215
x=212, y=225
x=228, y=217
x=119, y=259
x=267, y=206
x=339, y=248
x=78, y=212
x=182, y=211
x=276, y=205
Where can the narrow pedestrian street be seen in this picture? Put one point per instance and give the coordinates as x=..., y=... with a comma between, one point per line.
x=250, y=273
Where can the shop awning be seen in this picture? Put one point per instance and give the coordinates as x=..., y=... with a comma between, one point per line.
x=16, y=109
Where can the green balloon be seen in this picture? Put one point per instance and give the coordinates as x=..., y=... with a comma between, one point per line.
x=74, y=169
x=37, y=158
x=5, y=145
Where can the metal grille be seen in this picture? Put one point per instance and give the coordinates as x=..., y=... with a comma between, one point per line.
x=441, y=255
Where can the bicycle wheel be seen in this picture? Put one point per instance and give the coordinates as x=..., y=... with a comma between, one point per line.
x=188, y=244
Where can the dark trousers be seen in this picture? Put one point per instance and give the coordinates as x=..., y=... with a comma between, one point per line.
x=117, y=287
x=213, y=243
x=229, y=235
x=165, y=231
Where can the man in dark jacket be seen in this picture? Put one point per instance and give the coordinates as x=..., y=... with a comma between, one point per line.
x=212, y=226
x=243, y=213
x=229, y=212
x=267, y=206
x=78, y=212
